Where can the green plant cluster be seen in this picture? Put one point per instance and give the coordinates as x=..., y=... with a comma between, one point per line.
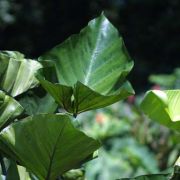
x=40, y=99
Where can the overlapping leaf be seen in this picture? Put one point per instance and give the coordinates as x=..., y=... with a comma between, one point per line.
x=47, y=145
x=33, y=104
x=16, y=172
x=9, y=109
x=92, y=67
x=163, y=107
x=17, y=73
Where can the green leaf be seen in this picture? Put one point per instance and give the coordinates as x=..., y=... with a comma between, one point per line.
x=47, y=145
x=95, y=63
x=34, y=104
x=163, y=80
x=9, y=109
x=163, y=107
x=17, y=172
x=84, y=98
x=178, y=162
x=17, y=73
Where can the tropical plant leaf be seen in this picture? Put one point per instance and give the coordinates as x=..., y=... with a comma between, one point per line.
x=47, y=145
x=17, y=172
x=17, y=73
x=34, y=104
x=163, y=107
x=94, y=62
x=9, y=109
x=81, y=98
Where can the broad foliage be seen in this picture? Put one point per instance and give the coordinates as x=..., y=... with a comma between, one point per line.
x=90, y=71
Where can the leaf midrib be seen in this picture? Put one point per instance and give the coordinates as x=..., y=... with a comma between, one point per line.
x=54, y=151
x=92, y=58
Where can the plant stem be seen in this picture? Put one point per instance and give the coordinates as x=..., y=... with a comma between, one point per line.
x=3, y=167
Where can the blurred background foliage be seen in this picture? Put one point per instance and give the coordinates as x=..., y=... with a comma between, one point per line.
x=132, y=144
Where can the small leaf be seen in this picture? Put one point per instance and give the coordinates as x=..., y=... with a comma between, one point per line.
x=163, y=107
x=9, y=109
x=93, y=66
x=47, y=145
x=17, y=73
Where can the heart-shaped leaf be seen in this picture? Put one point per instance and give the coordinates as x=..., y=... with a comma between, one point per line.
x=93, y=65
x=163, y=107
x=17, y=73
x=9, y=109
x=47, y=145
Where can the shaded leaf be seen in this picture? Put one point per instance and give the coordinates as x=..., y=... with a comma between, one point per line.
x=9, y=109
x=47, y=145
x=17, y=73
x=34, y=104
x=163, y=107
x=92, y=64
x=84, y=98
x=17, y=172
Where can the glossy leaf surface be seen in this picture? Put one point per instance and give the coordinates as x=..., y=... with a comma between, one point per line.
x=94, y=65
x=47, y=145
x=17, y=74
x=9, y=109
x=163, y=107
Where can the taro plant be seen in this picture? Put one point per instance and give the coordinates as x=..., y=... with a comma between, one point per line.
x=39, y=138
x=40, y=99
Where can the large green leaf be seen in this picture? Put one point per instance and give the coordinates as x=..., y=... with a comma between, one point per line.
x=17, y=73
x=93, y=66
x=163, y=107
x=9, y=109
x=47, y=145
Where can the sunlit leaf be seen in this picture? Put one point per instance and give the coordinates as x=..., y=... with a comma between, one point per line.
x=92, y=66
x=163, y=107
x=9, y=109
x=17, y=74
